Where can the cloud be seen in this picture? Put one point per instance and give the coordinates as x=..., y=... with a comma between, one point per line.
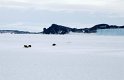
x=62, y=11
x=54, y=3
x=90, y=6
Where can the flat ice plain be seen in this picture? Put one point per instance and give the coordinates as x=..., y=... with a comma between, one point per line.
x=75, y=57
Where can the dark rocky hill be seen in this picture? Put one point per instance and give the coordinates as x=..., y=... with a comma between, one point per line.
x=103, y=26
x=59, y=29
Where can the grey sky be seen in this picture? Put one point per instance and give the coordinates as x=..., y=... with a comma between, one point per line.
x=35, y=14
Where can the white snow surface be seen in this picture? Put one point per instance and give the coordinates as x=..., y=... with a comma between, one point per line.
x=75, y=57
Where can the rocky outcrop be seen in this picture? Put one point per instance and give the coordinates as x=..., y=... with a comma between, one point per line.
x=103, y=26
x=58, y=29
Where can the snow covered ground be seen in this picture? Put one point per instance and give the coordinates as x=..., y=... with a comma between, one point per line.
x=75, y=57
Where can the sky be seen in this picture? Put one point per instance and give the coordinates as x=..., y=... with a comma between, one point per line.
x=35, y=14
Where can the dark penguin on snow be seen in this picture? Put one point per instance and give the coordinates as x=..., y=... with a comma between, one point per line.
x=54, y=44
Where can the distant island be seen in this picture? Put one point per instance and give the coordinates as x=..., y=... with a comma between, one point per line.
x=17, y=32
x=59, y=29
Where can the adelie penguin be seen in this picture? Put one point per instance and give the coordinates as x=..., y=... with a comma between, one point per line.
x=54, y=44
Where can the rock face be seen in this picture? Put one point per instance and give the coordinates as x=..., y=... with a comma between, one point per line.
x=58, y=29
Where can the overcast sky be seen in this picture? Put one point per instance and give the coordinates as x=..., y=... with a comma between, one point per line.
x=35, y=14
